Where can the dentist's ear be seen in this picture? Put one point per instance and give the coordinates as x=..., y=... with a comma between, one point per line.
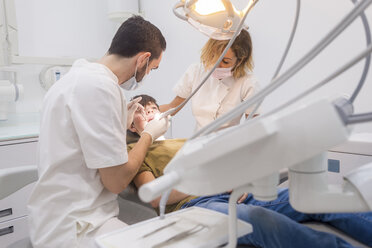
x=144, y=57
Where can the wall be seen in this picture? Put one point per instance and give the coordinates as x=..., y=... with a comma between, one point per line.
x=55, y=28
x=81, y=29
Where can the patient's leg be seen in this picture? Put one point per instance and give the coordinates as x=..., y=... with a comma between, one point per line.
x=271, y=229
x=357, y=225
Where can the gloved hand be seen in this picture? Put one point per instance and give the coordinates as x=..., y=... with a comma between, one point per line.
x=157, y=127
x=132, y=107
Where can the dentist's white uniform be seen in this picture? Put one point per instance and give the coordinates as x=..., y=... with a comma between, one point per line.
x=83, y=128
x=215, y=97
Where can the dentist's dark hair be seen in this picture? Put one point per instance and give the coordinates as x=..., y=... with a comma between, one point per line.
x=137, y=35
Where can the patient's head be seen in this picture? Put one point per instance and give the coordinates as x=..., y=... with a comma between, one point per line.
x=140, y=120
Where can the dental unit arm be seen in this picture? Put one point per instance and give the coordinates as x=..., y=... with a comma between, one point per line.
x=260, y=149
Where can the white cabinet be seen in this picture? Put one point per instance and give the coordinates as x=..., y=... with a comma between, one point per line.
x=13, y=231
x=18, y=153
x=13, y=210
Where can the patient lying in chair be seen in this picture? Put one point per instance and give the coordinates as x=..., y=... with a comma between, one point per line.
x=275, y=223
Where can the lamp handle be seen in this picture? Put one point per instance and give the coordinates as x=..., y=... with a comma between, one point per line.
x=228, y=7
x=176, y=6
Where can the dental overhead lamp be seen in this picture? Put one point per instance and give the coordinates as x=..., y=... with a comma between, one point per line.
x=283, y=138
x=219, y=19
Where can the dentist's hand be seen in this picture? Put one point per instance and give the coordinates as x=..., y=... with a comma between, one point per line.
x=132, y=107
x=157, y=128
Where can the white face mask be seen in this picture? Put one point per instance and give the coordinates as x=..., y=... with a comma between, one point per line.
x=132, y=84
x=221, y=73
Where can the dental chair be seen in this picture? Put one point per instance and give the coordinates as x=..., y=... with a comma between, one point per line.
x=132, y=209
x=11, y=181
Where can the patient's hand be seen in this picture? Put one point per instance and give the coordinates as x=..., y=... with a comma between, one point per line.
x=242, y=198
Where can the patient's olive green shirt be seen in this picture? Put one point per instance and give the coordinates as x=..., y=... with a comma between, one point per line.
x=157, y=157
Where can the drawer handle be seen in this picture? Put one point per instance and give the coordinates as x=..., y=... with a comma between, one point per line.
x=6, y=212
x=6, y=230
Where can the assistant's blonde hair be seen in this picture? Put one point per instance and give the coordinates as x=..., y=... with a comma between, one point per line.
x=242, y=48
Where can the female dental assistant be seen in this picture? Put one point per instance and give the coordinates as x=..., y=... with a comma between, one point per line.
x=229, y=85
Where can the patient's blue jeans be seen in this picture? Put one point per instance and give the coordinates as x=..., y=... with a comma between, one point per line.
x=275, y=223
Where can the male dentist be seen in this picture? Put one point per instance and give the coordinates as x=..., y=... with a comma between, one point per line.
x=83, y=159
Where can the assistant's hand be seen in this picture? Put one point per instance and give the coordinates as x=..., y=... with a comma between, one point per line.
x=132, y=107
x=157, y=128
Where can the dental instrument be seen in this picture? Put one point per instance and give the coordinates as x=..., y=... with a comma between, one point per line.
x=159, y=229
x=143, y=115
x=180, y=236
x=212, y=235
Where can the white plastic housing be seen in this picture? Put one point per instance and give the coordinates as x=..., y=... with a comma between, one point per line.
x=361, y=179
x=265, y=189
x=309, y=191
x=217, y=22
x=236, y=156
x=212, y=25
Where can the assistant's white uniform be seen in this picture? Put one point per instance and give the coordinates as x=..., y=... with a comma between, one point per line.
x=83, y=128
x=215, y=97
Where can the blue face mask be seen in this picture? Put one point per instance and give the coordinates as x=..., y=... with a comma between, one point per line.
x=132, y=84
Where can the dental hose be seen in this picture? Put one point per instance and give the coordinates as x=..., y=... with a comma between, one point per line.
x=163, y=203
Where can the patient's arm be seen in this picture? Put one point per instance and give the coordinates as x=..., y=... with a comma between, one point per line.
x=116, y=178
x=145, y=177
